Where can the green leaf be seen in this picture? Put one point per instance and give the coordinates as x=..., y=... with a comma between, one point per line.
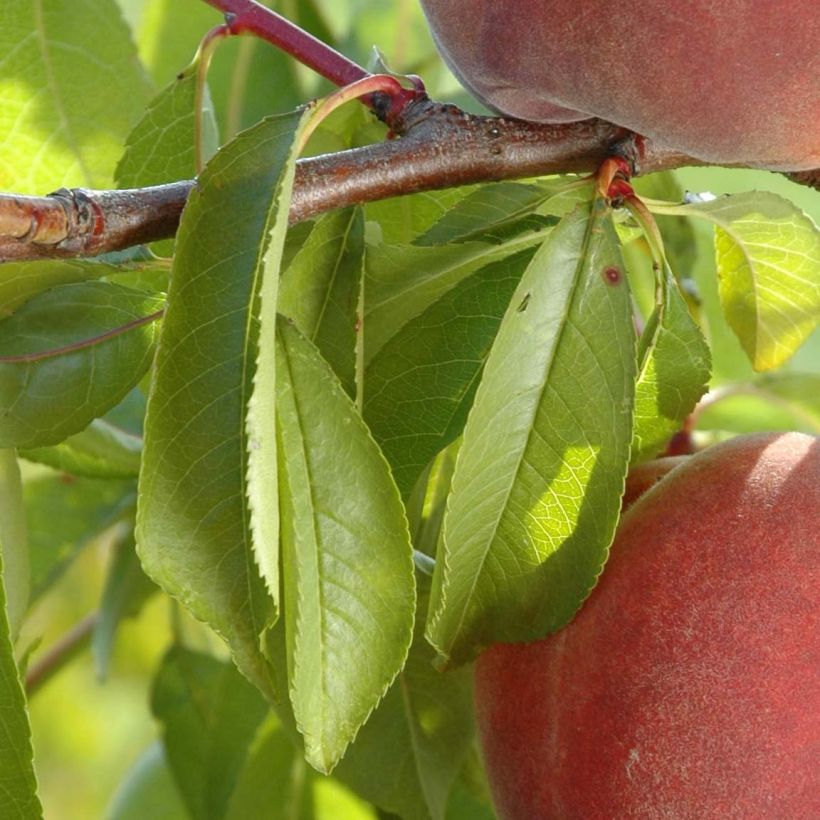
x=276, y=776
x=193, y=525
x=402, y=281
x=674, y=368
x=494, y=206
x=348, y=567
x=100, y=451
x=537, y=485
x=71, y=88
x=320, y=289
x=18, y=785
x=768, y=261
x=69, y=355
x=19, y=281
x=401, y=219
x=148, y=790
x=209, y=714
x=126, y=589
x=772, y=401
x=84, y=508
x=409, y=753
x=161, y=146
x=13, y=542
x=419, y=387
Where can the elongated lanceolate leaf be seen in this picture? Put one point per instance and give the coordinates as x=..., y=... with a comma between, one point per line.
x=193, y=525
x=402, y=281
x=420, y=385
x=320, y=290
x=161, y=146
x=85, y=509
x=19, y=281
x=768, y=261
x=410, y=751
x=348, y=567
x=16, y=576
x=69, y=355
x=537, y=484
x=209, y=714
x=18, y=787
x=100, y=451
x=70, y=89
x=674, y=370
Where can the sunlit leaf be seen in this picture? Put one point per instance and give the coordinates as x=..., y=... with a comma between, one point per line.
x=193, y=527
x=161, y=146
x=70, y=354
x=674, y=366
x=70, y=89
x=348, y=568
x=18, y=786
x=16, y=577
x=537, y=485
x=768, y=261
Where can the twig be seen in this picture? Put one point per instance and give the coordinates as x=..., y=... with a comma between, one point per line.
x=442, y=147
x=60, y=653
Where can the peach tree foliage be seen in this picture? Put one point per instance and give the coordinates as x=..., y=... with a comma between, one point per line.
x=359, y=449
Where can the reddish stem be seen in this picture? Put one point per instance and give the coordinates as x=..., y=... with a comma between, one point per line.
x=249, y=17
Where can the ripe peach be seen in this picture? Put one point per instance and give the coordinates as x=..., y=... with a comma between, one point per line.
x=645, y=475
x=688, y=686
x=734, y=81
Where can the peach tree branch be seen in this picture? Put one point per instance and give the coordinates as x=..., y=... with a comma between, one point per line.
x=441, y=147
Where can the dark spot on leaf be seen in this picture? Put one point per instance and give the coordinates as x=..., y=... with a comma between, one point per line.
x=524, y=302
x=612, y=275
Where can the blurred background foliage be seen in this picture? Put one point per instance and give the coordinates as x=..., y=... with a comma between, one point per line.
x=90, y=733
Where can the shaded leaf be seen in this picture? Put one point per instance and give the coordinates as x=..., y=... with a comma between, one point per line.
x=209, y=714
x=100, y=451
x=277, y=778
x=419, y=387
x=16, y=578
x=70, y=354
x=401, y=219
x=402, y=281
x=84, y=508
x=72, y=86
x=193, y=523
x=320, y=289
x=494, y=206
x=148, y=790
x=674, y=365
x=409, y=753
x=126, y=589
x=348, y=568
x=537, y=484
x=19, y=281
